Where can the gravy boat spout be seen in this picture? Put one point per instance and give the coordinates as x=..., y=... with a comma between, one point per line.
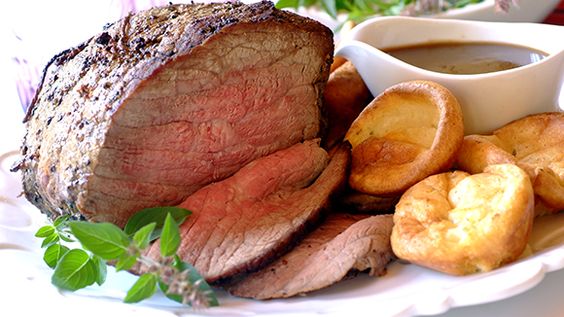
x=488, y=100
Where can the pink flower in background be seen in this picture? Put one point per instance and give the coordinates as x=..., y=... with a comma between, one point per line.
x=58, y=26
x=504, y=5
x=26, y=74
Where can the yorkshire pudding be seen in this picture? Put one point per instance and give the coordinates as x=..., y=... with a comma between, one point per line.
x=535, y=143
x=344, y=98
x=410, y=131
x=459, y=223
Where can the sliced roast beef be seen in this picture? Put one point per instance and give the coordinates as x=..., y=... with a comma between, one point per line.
x=168, y=100
x=342, y=243
x=243, y=221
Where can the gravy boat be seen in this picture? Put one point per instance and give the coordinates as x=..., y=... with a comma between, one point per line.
x=488, y=100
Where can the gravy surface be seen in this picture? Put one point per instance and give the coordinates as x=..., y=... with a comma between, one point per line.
x=466, y=57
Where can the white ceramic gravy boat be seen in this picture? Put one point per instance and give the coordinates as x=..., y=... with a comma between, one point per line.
x=488, y=100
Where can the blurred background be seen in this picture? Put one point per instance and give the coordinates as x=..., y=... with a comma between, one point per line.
x=33, y=31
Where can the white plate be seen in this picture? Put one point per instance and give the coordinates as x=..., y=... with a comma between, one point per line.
x=406, y=290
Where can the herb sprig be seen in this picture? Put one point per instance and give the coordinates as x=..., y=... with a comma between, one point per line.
x=359, y=10
x=77, y=268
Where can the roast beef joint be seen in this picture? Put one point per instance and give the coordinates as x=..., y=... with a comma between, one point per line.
x=168, y=100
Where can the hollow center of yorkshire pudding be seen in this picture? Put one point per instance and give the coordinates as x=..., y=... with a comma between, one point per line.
x=403, y=118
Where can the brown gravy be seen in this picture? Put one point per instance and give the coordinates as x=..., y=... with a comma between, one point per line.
x=466, y=57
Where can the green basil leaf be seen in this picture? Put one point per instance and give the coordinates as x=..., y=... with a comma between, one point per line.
x=66, y=236
x=74, y=271
x=50, y=240
x=101, y=268
x=61, y=220
x=105, y=240
x=156, y=215
x=125, y=262
x=170, y=237
x=53, y=254
x=45, y=231
x=142, y=237
x=143, y=288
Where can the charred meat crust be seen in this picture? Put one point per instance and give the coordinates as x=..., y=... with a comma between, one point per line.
x=206, y=26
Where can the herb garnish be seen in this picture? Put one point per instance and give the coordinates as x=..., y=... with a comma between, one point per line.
x=359, y=10
x=101, y=242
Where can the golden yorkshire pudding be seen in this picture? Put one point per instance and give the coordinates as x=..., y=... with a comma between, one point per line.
x=535, y=143
x=344, y=98
x=460, y=224
x=410, y=131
